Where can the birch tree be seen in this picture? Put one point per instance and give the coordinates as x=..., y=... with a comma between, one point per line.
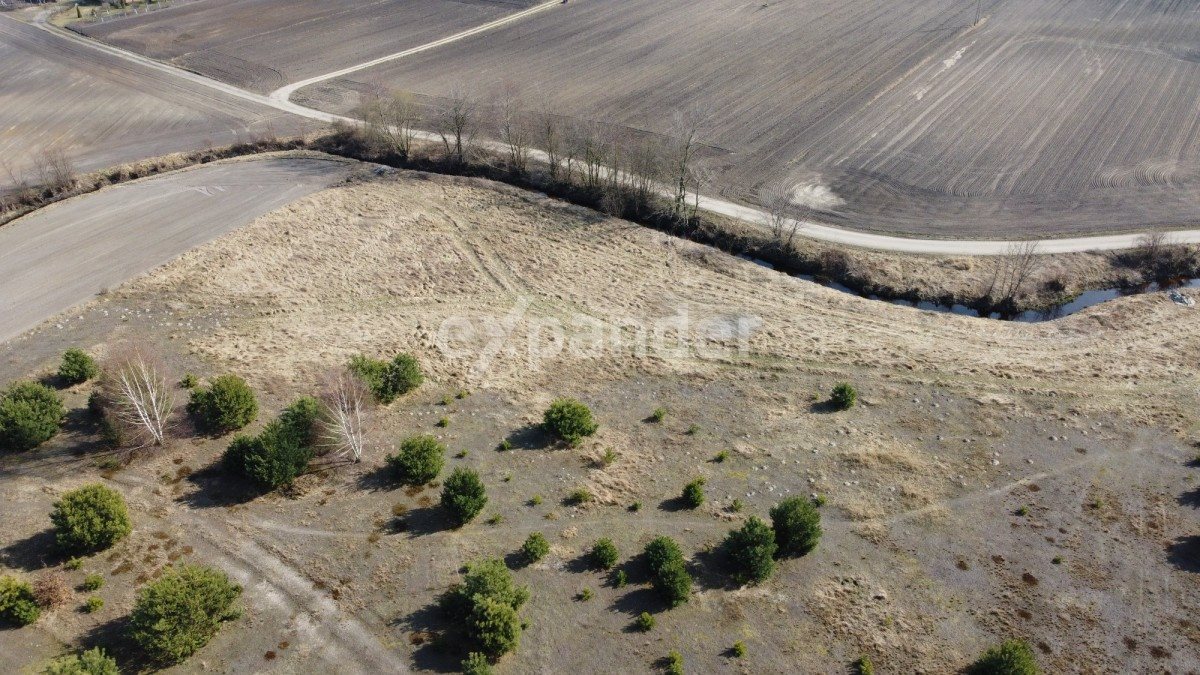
x=345, y=401
x=138, y=394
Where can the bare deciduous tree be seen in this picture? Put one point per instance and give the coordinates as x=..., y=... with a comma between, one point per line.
x=549, y=134
x=343, y=426
x=456, y=119
x=1010, y=272
x=515, y=130
x=686, y=127
x=138, y=394
x=390, y=121
x=775, y=198
x=55, y=168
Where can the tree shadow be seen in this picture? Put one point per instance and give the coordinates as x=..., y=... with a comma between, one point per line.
x=53, y=381
x=113, y=637
x=428, y=628
x=637, y=601
x=35, y=552
x=674, y=504
x=825, y=407
x=530, y=437
x=582, y=563
x=379, y=479
x=1191, y=498
x=711, y=570
x=1184, y=553
x=215, y=487
x=427, y=520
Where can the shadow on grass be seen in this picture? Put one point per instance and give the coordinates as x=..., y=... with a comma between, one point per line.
x=674, y=504
x=1190, y=498
x=825, y=407
x=113, y=637
x=378, y=479
x=427, y=520
x=635, y=602
x=530, y=437
x=35, y=552
x=1184, y=553
x=428, y=631
x=710, y=570
x=216, y=487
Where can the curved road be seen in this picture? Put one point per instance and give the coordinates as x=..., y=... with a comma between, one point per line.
x=280, y=99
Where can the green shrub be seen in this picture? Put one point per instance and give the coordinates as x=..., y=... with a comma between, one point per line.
x=463, y=495
x=693, y=494
x=495, y=627
x=495, y=519
x=18, y=606
x=30, y=414
x=476, y=664
x=844, y=396
x=579, y=496
x=388, y=380
x=1011, y=657
x=228, y=404
x=77, y=367
x=486, y=605
x=674, y=663
x=620, y=578
x=644, y=622
x=721, y=456
x=570, y=420
x=863, y=666
x=91, y=662
x=189, y=381
x=73, y=563
x=419, y=460
x=94, y=604
x=658, y=415
x=181, y=611
x=797, y=525
x=585, y=595
x=604, y=554
x=738, y=650
x=299, y=421
x=282, y=451
x=751, y=549
x=92, y=582
x=668, y=571
x=535, y=547
x=90, y=518
x=737, y=505
x=504, y=445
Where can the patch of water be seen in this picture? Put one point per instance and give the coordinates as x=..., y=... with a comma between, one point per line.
x=1081, y=302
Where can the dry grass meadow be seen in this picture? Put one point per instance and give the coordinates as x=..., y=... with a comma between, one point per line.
x=997, y=480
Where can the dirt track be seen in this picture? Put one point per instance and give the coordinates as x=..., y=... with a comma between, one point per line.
x=62, y=255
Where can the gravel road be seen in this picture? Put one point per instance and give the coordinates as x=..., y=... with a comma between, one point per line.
x=60, y=256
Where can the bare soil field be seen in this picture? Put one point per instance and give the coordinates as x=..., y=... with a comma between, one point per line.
x=263, y=46
x=997, y=480
x=102, y=111
x=1042, y=118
